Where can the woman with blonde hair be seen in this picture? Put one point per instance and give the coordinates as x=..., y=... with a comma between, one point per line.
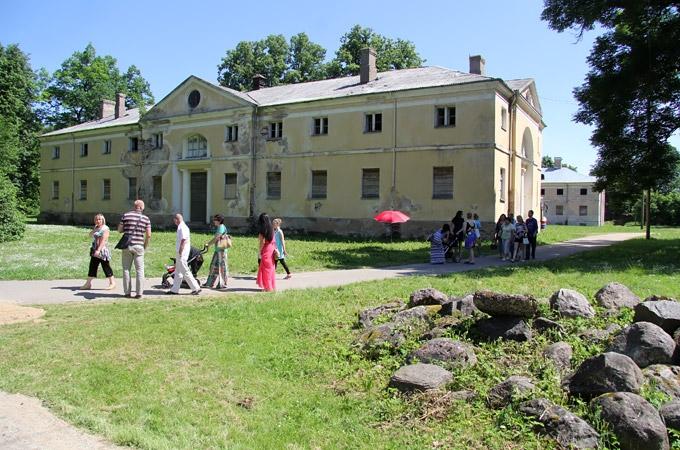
x=99, y=253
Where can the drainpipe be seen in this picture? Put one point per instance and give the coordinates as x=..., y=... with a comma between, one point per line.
x=73, y=178
x=512, y=117
x=253, y=144
x=394, y=154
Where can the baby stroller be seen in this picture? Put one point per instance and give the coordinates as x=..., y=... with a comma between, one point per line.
x=195, y=262
x=452, y=247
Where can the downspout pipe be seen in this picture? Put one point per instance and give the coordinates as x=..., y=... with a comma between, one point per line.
x=512, y=117
x=73, y=178
x=253, y=172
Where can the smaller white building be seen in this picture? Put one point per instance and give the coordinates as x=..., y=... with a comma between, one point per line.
x=568, y=198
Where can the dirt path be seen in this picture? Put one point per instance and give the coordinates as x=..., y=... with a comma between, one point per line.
x=11, y=313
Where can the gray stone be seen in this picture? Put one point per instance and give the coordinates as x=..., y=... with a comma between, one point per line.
x=570, y=303
x=645, y=343
x=367, y=316
x=464, y=395
x=597, y=336
x=542, y=324
x=560, y=354
x=616, y=296
x=497, y=304
x=635, y=422
x=419, y=315
x=671, y=414
x=420, y=377
x=427, y=296
x=377, y=337
x=606, y=372
x=664, y=378
x=446, y=351
x=466, y=305
x=511, y=328
x=565, y=427
x=664, y=313
x=508, y=391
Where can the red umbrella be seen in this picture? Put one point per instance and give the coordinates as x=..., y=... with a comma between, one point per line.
x=392, y=217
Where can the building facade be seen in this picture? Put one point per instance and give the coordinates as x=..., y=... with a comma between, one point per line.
x=568, y=197
x=327, y=155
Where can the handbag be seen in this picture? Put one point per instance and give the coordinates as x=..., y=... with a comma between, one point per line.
x=224, y=242
x=525, y=241
x=126, y=240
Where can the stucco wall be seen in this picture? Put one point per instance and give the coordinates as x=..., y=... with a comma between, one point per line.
x=571, y=201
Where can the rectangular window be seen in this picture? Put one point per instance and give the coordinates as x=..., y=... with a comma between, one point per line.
x=584, y=191
x=132, y=188
x=231, y=133
x=442, y=182
x=542, y=191
x=501, y=195
x=55, y=190
x=56, y=152
x=274, y=185
x=504, y=119
x=157, y=192
x=373, y=123
x=106, y=189
x=319, y=183
x=559, y=210
x=133, y=144
x=320, y=126
x=83, y=189
x=83, y=149
x=446, y=116
x=157, y=140
x=276, y=130
x=230, y=185
x=106, y=147
x=370, y=183
x=560, y=192
x=582, y=210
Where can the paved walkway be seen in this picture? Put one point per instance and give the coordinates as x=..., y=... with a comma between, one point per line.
x=63, y=291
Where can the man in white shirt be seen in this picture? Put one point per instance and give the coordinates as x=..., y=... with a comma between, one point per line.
x=182, y=270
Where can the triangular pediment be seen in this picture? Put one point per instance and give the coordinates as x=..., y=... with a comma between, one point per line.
x=183, y=100
x=531, y=95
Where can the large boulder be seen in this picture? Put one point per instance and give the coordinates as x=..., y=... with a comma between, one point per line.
x=606, y=372
x=645, y=343
x=383, y=336
x=427, y=296
x=420, y=377
x=446, y=351
x=671, y=414
x=510, y=328
x=560, y=354
x=570, y=303
x=664, y=313
x=616, y=296
x=635, y=422
x=367, y=316
x=664, y=378
x=497, y=304
x=565, y=427
x=508, y=391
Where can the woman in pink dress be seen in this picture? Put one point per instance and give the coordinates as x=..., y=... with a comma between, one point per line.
x=266, y=273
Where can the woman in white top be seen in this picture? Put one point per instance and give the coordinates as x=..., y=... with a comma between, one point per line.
x=99, y=253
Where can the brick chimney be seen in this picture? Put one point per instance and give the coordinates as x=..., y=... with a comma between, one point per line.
x=120, y=105
x=477, y=64
x=106, y=108
x=259, y=81
x=558, y=162
x=368, y=71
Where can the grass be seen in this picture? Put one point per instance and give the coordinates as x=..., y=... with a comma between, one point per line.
x=61, y=252
x=282, y=370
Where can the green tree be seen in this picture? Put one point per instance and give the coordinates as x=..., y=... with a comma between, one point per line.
x=305, y=60
x=267, y=57
x=76, y=89
x=547, y=162
x=632, y=92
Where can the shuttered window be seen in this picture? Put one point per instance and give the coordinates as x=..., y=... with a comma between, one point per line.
x=229, y=185
x=370, y=183
x=83, y=189
x=442, y=182
x=157, y=192
x=106, y=189
x=274, y=185
x=319, y=183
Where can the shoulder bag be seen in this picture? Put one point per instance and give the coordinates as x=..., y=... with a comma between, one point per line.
x=224, y=242
x=126, y=239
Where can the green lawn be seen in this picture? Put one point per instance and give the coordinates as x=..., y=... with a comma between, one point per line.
x=281, y=371
x=58, y=252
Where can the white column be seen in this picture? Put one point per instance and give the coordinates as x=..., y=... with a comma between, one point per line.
x=186, y=195
x=208, y=196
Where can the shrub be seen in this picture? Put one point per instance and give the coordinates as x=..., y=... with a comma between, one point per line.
x=12, y=224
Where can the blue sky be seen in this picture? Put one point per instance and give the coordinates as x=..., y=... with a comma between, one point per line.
x=170, y=40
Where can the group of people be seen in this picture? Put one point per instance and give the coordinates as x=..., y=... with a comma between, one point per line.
x=137, y=235
x=515, y=238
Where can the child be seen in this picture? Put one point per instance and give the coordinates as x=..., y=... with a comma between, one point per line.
x=280, y=242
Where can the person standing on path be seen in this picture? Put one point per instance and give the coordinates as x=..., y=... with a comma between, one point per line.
x=138, y=227
x=280, y=243
x=218, y=272
x=266, y=272
x=532, y=234
x=458, y=231
x=182, y=271
x=520, y=239
x=99, y=253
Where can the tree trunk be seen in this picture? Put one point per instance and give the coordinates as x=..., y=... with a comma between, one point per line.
x=647, y=210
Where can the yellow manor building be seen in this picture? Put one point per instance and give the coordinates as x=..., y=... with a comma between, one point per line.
x=325, y=155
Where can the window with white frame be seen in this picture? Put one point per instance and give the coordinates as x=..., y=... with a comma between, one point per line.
x=55, y=190
x=197, y=146
x=230, y=185
x=157, y=140
x=84, y=149
x=559, y=210
x=373, y=123
x=501, y=194
x=133, y=144
x=275, y=130
x=319, y=183
x=370, y=183
x=106, y=189
x=83, y=190
x=132, y=188
x=320, y=126
x=56, y=152
x=157, y=188
x=274, y=185
x=231, y=133
x=583, y=210
x=504, y=119
x=106, y=147
x=445, y=116
x=442, y=182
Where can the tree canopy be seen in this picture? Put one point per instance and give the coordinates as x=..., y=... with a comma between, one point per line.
x=75, y=90
x=300, y=59
x=548, y=162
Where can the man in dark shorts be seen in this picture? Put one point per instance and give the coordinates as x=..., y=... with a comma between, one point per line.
x=138, y=227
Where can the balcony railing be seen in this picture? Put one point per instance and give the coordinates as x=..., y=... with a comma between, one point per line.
x=197, y=153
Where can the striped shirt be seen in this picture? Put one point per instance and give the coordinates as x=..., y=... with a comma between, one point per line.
x=136, y=225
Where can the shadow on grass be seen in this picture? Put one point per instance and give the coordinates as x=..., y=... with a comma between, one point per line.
x=370, y=256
